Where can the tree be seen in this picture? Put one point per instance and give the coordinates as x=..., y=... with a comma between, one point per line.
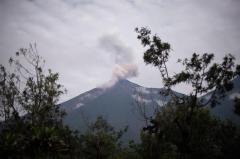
x=101, y=141
x=199, y=72
x=180, y=123
x=237, y=105
x=31, y=125
x=8, y=94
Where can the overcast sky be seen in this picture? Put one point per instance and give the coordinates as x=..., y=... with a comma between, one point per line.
x=85, y=40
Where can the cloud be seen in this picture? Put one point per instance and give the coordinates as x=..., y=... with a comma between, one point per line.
x=84, y=40
x=141, y=100
x=143, y=90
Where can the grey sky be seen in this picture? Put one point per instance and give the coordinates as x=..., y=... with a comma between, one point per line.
x=81, y=39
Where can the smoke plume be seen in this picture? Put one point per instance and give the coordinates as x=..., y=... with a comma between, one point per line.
x=123, y=57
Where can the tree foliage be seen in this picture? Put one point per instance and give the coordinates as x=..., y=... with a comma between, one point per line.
x=101, y=141
x=31, y=120
x=237, y=105
x=181, y=128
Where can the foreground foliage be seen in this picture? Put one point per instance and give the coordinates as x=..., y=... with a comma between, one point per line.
x=183, y=128
x=31, y=120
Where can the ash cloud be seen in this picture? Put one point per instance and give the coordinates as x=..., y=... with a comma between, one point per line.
x=116, y=48
x=123, y=58
x=121, y=72
x=125, y=71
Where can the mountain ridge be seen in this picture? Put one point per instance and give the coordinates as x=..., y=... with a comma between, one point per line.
x=119, y=104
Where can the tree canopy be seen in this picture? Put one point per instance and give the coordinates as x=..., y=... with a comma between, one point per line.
x=181, y=128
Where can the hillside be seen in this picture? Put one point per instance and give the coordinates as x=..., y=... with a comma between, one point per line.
x=225, y=108
x=118, y=104
x=121, y=103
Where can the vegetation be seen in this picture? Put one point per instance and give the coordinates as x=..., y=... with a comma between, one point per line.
x=31, y=119
x=101, y=141
x=181, y=128
x=237, y=105
x=31, y=124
